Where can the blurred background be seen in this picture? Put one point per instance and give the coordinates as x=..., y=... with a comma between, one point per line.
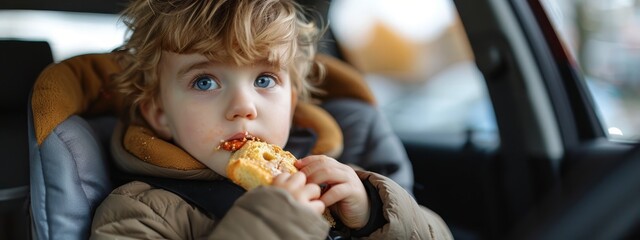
x=604, y=38
x=420, y=67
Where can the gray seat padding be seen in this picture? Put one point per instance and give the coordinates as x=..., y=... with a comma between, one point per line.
x=69, y=178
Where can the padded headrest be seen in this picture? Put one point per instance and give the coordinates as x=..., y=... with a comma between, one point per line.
x=343, y=81
x=20, y=64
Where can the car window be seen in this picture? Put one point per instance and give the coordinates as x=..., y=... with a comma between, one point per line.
x=417, y=60
x=68, y=33
x=604, y=38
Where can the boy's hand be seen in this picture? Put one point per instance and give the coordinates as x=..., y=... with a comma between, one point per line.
x=344, y=188
x=307, y=194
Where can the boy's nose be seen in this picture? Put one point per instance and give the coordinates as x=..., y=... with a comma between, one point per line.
x=241, y=106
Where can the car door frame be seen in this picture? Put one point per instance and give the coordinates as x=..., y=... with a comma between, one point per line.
x=548, y=126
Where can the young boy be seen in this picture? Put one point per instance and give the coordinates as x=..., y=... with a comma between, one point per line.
x=197, y=73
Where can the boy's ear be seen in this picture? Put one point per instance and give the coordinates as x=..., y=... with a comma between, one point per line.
x=156, y=118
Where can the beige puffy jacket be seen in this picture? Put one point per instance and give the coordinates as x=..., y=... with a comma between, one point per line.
x=138, y=211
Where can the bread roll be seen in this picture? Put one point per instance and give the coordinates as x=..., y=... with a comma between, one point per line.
x=257, y=163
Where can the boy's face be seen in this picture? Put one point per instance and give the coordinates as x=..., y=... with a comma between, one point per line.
x=203, y=103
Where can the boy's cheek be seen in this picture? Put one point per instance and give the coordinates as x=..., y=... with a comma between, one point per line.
x=281, y=136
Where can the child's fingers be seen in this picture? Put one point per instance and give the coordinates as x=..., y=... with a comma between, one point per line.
x=335, y=194
x=313, y=159
x=329, y=176
x=280, y=179
x=297, y=186
x=312, y=164
x=310, y=195
x=290, y=182
x=307, y=194
x=317, y=206
x=323, y=171
x=309, y=191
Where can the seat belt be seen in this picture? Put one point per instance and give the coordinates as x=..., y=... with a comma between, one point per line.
x=214, y=198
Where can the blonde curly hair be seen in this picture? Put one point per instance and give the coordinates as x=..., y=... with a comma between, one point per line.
x=236, y=31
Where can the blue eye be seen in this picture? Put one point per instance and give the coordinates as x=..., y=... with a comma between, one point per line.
x=205, y=83
x=265, y=81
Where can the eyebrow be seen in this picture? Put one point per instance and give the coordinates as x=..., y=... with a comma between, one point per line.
x=191, y=67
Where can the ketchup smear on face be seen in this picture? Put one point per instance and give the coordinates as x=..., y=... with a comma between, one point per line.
x=235, y=144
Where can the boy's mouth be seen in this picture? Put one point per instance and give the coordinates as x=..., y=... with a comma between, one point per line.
x=236, y=141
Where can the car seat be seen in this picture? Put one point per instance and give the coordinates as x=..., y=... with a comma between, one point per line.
x=72, y=114
x=20, y=64
x=69, y=166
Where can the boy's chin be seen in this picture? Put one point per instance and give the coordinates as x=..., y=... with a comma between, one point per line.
x=220, y=171
x=218, y=162
x=223, y=173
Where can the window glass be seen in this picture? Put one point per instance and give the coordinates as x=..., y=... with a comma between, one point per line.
x=417, y=60
x=604, y=37
x=68, y=33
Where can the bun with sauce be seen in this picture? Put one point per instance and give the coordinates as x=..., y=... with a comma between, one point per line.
x=256, y=163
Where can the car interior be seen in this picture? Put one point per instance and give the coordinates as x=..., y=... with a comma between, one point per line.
x=547, y=170
x=21, y=63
